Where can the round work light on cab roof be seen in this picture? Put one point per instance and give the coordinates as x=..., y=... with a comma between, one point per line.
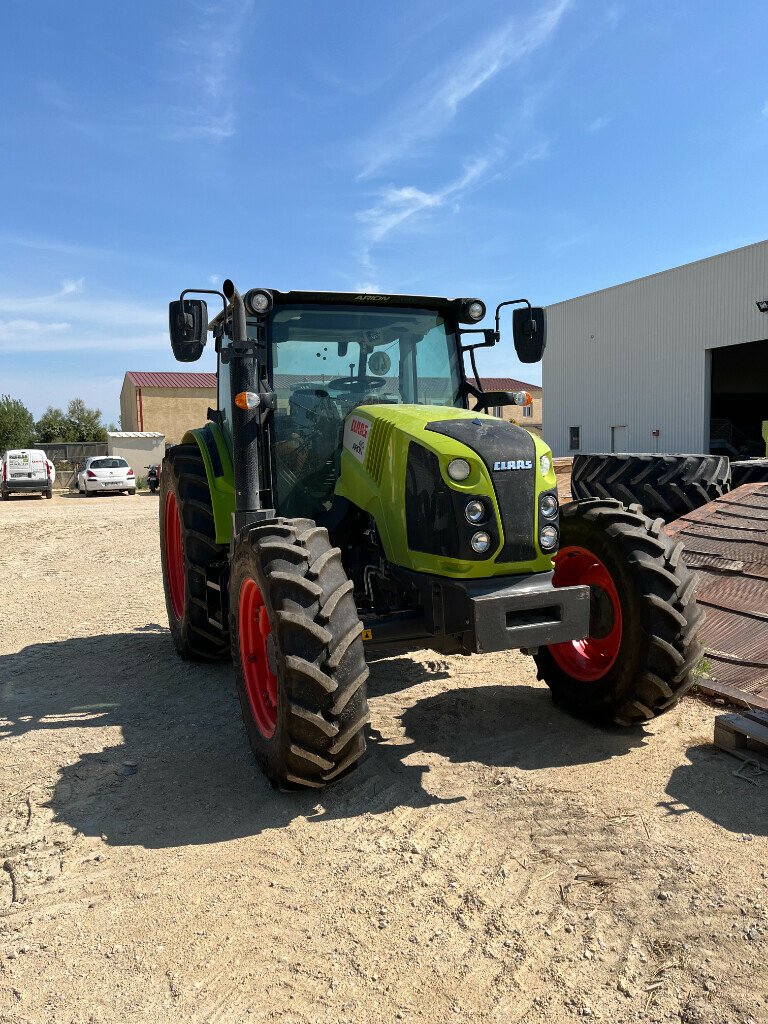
x=472, y=311
x=257, y=302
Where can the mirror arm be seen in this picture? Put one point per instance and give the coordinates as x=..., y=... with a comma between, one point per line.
x=490, y=339
x=510, y=302
x=474, y=369
x=199, y=291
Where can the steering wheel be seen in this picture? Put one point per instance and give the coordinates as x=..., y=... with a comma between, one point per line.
x=358, y=384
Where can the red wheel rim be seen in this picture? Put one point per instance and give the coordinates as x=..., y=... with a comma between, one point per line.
x=260, y=680
x=589, y=659
x=174, y=555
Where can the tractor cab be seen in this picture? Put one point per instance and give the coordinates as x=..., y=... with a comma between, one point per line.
x=316, y=356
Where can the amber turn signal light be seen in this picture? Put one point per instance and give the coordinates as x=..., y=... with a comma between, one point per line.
x=247, y=400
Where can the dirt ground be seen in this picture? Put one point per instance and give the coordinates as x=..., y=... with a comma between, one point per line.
x=492, y=860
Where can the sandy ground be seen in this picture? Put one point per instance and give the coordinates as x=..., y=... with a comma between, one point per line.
x=492, y=860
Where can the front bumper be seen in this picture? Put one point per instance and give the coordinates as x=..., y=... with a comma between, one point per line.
x=497, y=614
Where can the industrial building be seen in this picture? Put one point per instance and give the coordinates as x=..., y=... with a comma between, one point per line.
x=673, y=362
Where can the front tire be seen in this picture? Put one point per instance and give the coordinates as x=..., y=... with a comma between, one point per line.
x=190, y=555
x=298, y=654
x=642, y=648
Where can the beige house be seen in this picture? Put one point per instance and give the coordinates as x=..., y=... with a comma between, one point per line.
x=528, y=416
x=166, y=403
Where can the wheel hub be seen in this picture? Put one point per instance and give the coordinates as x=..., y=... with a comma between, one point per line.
x=589, y=659
x=174, y=555
x=256, y=644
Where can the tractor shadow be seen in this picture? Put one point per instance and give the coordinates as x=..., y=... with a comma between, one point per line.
x=151, y=751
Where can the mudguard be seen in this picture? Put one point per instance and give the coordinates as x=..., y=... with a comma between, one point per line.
x=221, y=475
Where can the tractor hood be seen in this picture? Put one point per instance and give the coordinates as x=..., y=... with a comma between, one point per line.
x=394, y=465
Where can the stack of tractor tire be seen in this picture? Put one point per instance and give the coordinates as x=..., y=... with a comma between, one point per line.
x=667, y=486
x=753, y=471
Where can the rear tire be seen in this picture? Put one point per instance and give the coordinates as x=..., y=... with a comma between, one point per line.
x=298, y=654
x=668, y=486
x=48, y=494
x=189, y=554
x=6, y=496
x=642, y=649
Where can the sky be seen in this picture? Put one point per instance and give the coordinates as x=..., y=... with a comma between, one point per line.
x=497, y=149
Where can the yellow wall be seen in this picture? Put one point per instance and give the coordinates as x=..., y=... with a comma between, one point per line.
x=170, y=411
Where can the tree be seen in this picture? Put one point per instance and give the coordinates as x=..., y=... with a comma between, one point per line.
x=78, y=423
x=86, y=423
x=54, y=427
x=17, y=424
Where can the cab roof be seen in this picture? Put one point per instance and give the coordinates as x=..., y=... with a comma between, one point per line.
x=438, y=303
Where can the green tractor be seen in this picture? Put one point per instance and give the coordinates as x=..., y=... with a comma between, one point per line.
x=351, y=490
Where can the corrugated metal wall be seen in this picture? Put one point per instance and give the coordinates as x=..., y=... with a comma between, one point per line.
x=636, y=354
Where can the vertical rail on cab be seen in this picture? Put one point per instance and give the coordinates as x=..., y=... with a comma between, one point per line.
x=246, y=423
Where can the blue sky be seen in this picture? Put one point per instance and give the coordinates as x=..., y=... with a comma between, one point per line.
x=495, y=149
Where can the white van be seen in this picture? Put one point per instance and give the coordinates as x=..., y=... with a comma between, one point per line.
x=26, y=470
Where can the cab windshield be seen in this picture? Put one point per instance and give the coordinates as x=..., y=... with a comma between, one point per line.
x=328, y=359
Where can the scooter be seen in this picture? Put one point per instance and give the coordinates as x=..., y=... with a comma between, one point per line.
x=153, y=478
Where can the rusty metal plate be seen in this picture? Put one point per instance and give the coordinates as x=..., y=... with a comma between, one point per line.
x=726, y=547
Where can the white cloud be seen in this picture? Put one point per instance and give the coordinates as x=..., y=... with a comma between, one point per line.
x=435, y=101
x=397, y=205
x=15, y=328
x=67, y=321
x=207, y=51
x=598, y=124
x=72, y=287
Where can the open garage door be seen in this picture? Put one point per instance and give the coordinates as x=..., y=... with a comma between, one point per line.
x=739, y=399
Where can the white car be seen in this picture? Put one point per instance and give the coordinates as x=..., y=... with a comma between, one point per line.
x=104, y=473
x=25, y=470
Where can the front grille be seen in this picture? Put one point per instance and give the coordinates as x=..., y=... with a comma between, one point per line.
x=499, y=443
x=430, y=514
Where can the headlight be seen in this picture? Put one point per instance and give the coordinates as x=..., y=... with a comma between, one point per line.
x=476, y=310
x=475, y=512
x=549, y=506
x=458, y=469
x=545, y=464
x=548, y=538
x=481, y=541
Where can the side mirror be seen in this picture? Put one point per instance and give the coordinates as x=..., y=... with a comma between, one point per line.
x=529, y=330
x=188, y=327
